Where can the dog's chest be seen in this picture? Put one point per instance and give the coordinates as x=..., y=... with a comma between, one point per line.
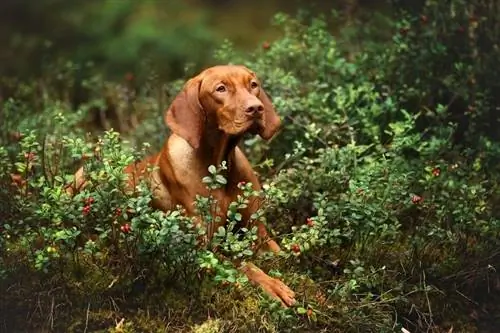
x=162, y=199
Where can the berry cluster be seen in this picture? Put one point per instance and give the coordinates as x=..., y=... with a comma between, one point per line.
x=88, y=206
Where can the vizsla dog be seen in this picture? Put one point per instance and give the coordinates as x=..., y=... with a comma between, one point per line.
x=207, y=119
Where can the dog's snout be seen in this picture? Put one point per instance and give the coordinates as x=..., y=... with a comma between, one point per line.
x=254, y=108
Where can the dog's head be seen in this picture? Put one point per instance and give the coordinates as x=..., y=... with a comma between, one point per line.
x=229, y=98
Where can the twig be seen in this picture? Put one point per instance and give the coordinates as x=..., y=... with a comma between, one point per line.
x=43, y=161
x=467, y=298
x=112, y=283
x=428, y=300
x=51, y=316
x=114, y=305
x=119, y=325
x=87, y=318
x=58, y=158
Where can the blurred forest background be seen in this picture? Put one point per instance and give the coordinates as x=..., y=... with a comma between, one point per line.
x=121, y=36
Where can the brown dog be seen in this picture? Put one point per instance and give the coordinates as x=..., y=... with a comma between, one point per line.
x=208, y=118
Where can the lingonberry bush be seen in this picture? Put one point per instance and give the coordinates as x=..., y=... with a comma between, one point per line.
x=381, y=189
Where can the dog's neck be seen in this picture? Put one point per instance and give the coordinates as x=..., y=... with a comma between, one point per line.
x=220, y=147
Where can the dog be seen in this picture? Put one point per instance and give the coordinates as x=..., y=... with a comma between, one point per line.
x=207, y=120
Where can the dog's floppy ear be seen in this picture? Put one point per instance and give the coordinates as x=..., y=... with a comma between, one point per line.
x=185, y=115
x=271, y=119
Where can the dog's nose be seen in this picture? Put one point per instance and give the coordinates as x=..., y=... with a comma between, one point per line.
x=254, y=108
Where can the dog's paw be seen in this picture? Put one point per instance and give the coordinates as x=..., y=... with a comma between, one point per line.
x=271, y=286
x=279, y=291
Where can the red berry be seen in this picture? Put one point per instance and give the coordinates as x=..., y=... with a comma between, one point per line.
x=416, y=199
x=125, y=228
x=29, y=156
x=310, y=222
x=436, y=172
x=118, y=212
x=129, y=76
x=309, y=312
x=295, y=248
x=266, y=45
x=17, y=180
x=86, y=210
x=404, y=31
x=241, y=184
x=423, y=18
x=89, y=201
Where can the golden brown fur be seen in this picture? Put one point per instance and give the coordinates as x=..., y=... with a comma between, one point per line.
x=207, y=119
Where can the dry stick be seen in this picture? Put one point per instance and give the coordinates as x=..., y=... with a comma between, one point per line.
x=87, y=318
x=43, y=159
x=431, y=321
x=58, y=160
x=115, y=306
x=119, y=325
x=26, y=174
x=51, y=316
x=467, y=298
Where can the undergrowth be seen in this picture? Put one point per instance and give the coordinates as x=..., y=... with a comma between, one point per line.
x=381, y=189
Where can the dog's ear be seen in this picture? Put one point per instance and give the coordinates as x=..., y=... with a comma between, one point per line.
x=271, y=119
x=185, y=115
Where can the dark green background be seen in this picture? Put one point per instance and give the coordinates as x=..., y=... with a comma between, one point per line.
x=119, y=36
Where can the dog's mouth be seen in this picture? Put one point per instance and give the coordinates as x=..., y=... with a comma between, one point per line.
x=256, y=126
x=238, y=128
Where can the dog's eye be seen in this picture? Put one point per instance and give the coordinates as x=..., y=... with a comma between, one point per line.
x=221, y=88
x=253, y=84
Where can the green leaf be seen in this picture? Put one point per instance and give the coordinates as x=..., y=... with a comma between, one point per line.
x=220, y=179
x=221, y=231
x=359, y=270
x=242, y=279
x=301, y=310
x=212, y=170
